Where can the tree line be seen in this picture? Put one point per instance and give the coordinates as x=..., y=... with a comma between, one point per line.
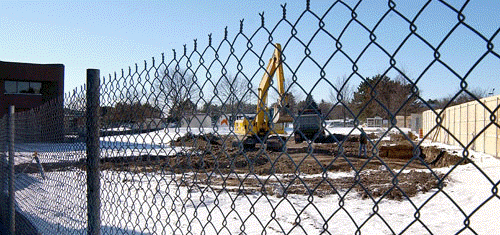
x=179, y=94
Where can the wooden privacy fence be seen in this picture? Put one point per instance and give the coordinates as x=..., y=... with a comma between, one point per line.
x=473, y=124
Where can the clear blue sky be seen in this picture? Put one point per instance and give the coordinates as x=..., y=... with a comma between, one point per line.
x=114, y=35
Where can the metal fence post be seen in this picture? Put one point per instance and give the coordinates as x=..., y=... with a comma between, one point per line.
x=93, y=148
x=12, y=209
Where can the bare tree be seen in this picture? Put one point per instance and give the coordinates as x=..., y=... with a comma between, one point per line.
x=292, y=88
x=461, y=97
x=293, y=95
x=342, y=95
x=233, y=94
x=177, y=88
x=471, y=94
x=405, y=95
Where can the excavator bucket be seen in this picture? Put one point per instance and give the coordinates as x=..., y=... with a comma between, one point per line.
x=281, y=113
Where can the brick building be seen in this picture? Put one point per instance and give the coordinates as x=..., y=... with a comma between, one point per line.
x=27, y=86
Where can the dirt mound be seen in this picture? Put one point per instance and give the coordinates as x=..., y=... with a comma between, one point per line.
x=376, y=184
x=440, y=157
x=403, y=150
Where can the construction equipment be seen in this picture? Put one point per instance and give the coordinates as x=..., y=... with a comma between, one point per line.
x=267, y=125
x=308, y=124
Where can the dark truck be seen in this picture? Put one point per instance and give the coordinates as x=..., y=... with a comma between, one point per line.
x=308, y=125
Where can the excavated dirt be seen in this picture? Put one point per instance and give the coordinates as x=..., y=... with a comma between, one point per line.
x=209, y=152
x=368, y=184
x=439, y=157
x=222, y=156
x=220, y=165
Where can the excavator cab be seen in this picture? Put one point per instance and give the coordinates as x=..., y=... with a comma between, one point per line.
x=241, y=126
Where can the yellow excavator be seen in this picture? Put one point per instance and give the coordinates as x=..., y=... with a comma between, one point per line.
x=267, y=126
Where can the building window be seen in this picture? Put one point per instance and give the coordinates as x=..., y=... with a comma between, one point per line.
x=23, y=87
x=10, y=87
x=19, y=87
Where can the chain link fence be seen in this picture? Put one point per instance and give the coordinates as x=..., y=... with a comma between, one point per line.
x=50, y=186
x=220, y=139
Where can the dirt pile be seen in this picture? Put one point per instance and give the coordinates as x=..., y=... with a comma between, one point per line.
x=440, y=157
x=222, y=153
x=399, y=151
x=392, y=186
x=401, y=148
x=399, y=137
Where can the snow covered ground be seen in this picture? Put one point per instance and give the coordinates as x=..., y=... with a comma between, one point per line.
x=157, y=203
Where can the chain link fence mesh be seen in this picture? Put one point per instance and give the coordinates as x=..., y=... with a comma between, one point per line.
x=50, y=186
x=174, y=162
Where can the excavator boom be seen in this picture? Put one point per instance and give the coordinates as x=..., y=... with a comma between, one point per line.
x=274, y=68
x=263, y=122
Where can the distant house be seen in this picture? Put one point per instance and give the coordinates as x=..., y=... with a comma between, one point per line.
x=374, y=122
x=414, y=122
x=403, y=121
x=27, y=86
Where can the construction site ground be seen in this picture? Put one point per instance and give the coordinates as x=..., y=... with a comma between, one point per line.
x=218, y=162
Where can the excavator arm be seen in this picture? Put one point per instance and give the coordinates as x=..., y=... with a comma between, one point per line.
x=261, y=124
x=274, y=67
